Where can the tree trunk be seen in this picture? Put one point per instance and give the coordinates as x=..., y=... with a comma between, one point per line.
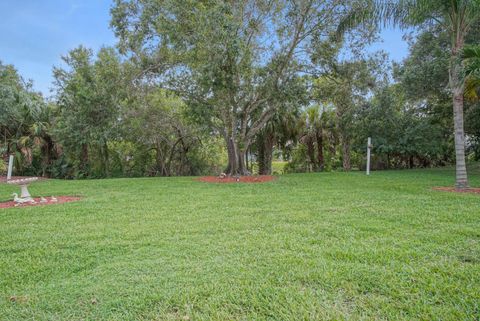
x=311, y=153
x=260, y=153
x=105, y=159
x=265, y=145
x=84, y=159
x=47, y=149
x=159, y=160
x=84, y=153
x=461, y=168
x=267, y=161
x=320, y=156
x=236, y=158
x=242, y=167
x=232, y=157
x=346, y=153
x=457, y=85
x=343, y=119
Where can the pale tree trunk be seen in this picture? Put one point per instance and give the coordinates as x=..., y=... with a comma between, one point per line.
x=236, y=158
x=232, y=156
x=461, y=168
x=238, y=137
x=457, y=86
x=160, y=160
x=242, y=167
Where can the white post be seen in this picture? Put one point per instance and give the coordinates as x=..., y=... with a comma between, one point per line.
x=369, y=146
x=10, y=167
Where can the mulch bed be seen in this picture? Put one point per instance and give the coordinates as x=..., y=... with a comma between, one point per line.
x=60, y=200
x=241, y=179
x=455, y=190
x=3, y=179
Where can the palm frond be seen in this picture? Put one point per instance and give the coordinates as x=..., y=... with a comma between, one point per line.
x=405, y=13
x=471, y=62
x=472, y=88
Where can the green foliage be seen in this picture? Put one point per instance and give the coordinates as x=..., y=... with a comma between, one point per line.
x=318, y=140
x=403, y=135
x=159, y=125
x=24, y=124
x=472, y=116
x=471, y=58
x=344, y=85
x=108, y=124
x=88, y=99
x=232, y=62
x=273, y=79
x=209, y=157
x=424, y=73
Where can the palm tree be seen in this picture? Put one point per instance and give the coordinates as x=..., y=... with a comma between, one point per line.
x=318, y=127
x=279, y=131
x=36, y=136
x=471, y=56
x=456, y=16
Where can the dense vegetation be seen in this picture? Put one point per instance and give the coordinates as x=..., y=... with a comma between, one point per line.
x=194, y=88
x=318, y=246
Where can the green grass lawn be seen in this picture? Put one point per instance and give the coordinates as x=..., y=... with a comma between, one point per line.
x=327, y=246
x=277, y=167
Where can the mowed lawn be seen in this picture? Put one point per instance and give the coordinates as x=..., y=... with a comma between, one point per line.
x=327, y=246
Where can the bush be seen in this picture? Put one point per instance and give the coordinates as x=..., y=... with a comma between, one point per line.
x=3, y=167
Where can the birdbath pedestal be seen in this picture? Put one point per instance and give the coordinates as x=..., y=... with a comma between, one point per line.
x=23, y=183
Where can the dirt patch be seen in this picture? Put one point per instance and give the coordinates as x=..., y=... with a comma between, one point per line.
x=3, y=179
x=240, y=179
x=456, y=190
x=49, y=201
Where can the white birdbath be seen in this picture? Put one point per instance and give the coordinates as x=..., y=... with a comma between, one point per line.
x=23, y=183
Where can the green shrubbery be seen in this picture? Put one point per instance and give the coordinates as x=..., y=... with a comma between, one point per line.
x=3, y=167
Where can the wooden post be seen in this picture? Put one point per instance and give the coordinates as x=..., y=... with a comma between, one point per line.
x=10, y=168
x=369, y=146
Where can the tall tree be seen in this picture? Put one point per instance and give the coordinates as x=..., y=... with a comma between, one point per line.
x=279, y=131
x=156, y=120
x=345, y=86
x=405, y=134
x=227, y=57
x=22, y=118
x=455, y=16
x=314, y=126
x=471, y=57
x=89, y=93
x=282, y=128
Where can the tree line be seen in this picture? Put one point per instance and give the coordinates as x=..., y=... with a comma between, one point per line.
x=203, y=87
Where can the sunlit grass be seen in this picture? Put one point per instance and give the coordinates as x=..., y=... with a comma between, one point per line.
x=304, y=247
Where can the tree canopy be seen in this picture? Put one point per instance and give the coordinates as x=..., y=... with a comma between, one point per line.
x=204, y=87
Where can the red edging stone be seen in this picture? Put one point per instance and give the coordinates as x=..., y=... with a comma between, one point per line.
x=241, y=179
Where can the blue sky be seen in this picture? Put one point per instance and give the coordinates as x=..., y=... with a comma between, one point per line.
x=35, y=33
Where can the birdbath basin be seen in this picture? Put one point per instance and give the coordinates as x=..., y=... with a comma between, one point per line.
x=23, y=183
